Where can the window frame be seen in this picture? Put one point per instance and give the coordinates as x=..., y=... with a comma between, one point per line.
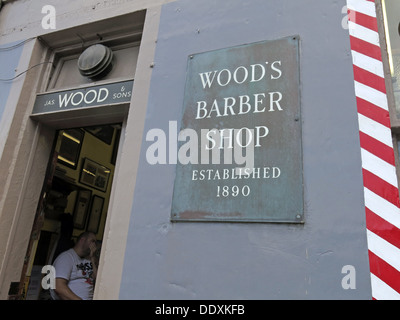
x=394, y=118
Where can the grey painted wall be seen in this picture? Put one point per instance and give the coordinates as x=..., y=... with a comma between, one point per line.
x=165, y=260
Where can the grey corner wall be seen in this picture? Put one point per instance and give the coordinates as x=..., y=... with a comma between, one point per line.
x=165, y=260
x=9, y=58
x=10, y=54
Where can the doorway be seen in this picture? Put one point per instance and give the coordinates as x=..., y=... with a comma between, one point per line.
x=74, y=198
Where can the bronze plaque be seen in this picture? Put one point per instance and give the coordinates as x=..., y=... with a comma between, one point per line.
x=240, y=143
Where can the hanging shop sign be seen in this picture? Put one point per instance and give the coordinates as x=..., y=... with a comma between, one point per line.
x=111, y=93
x=240, y=144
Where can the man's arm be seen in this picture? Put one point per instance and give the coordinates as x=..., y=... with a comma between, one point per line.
x=63, y=291
x=93, y=259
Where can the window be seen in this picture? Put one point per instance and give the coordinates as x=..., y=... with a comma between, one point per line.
x=391, y=17
x=391, y=27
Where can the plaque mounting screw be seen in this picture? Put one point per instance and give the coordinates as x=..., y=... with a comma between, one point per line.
x=298, y=216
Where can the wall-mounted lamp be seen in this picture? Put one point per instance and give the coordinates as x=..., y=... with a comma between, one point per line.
x=96, y=61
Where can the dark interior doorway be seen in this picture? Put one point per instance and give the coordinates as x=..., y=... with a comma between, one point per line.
x=74, y=199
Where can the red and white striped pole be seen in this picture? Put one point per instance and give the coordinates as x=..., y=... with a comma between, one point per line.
x=381, y=192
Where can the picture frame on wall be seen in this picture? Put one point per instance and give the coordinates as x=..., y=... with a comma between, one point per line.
x=94, y=175
x=96, y=210
x=70, y=147
x=81, y=210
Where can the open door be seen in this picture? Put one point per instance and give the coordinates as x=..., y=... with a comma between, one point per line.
x=74, y=199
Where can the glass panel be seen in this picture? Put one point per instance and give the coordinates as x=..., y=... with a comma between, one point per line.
x=391, y=13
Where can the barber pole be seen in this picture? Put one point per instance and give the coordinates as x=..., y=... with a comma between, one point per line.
x=381, y=192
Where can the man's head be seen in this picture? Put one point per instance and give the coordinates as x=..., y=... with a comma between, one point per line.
x=83, y=243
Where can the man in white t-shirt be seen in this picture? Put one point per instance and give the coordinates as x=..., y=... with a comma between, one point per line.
x=75, y=273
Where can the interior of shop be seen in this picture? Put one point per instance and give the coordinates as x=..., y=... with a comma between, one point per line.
x=74, y=198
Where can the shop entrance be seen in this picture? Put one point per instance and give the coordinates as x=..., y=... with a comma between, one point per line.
x=75, y=198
